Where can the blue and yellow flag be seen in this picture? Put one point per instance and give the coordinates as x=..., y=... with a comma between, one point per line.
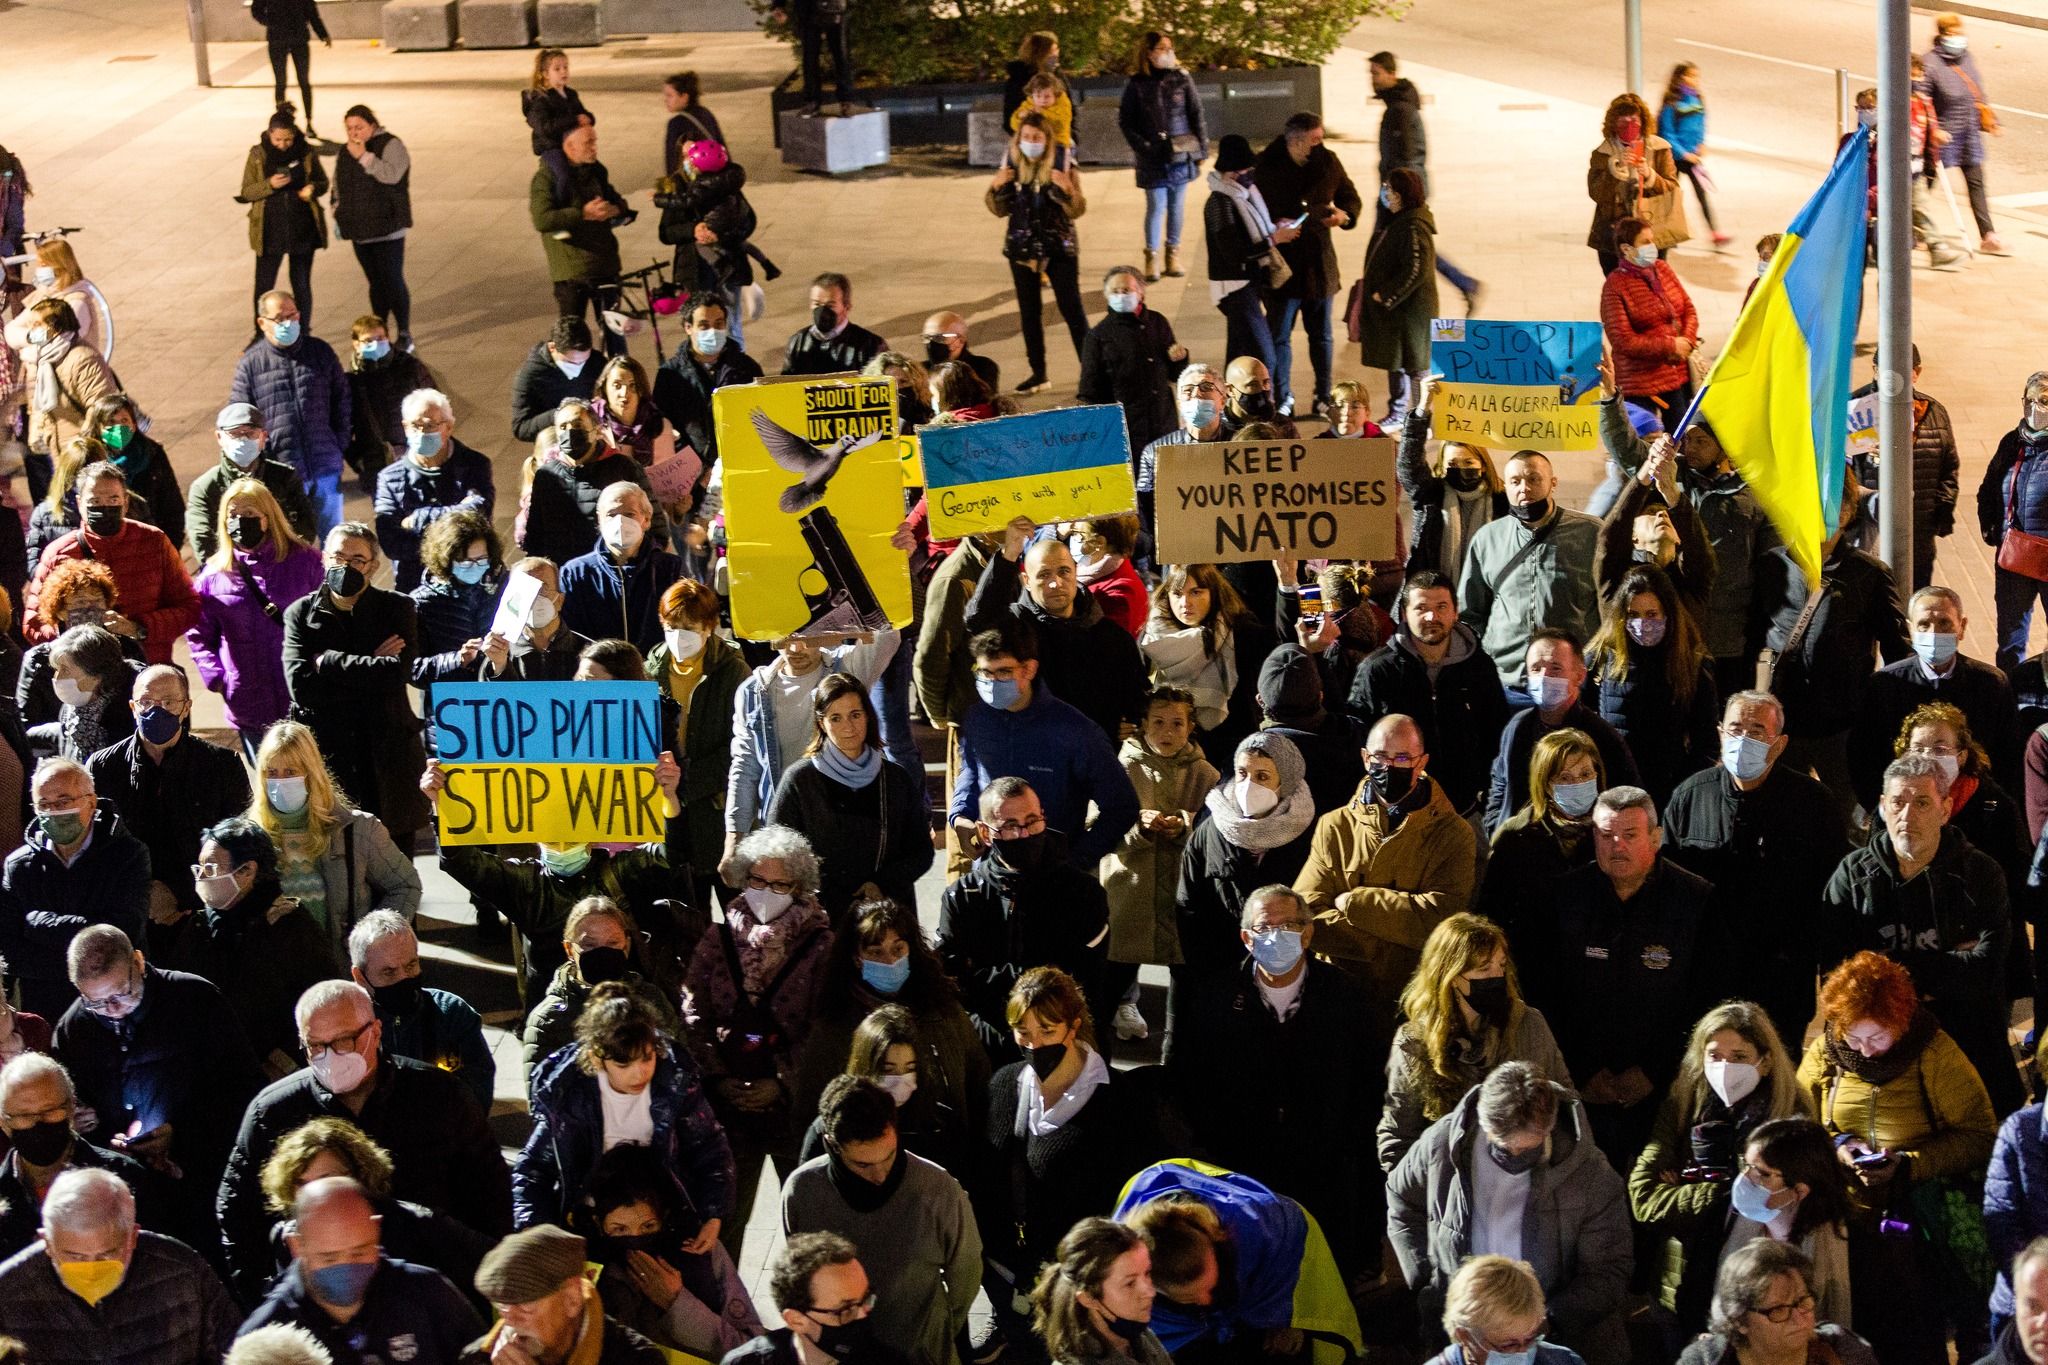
x=1775, y=395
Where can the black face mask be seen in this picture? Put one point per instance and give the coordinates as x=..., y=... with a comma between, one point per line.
x=43, y=1144
x=847, y=1340
x=345, y=580
x=1258, y=404
x=1021, y=855
x=597, y=965
x=1488, y=997
x=1130, y=1329
x=1045, y=1060
x=1529, y=513
x=937, y=352
x=103, y=521
x=1464, y=480
x=910, y=411
x=1513, y=1163
x=824, y=321
x=398, y=999
x=1390, y=783
x=575, y=444
x=246, y=532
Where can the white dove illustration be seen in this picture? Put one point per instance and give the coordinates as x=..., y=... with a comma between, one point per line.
x=797, y=455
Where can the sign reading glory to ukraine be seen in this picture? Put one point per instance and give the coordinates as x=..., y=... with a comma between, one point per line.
x=556, y=763
x=1516, y=385
x=1228, y=502
x=1066, y=464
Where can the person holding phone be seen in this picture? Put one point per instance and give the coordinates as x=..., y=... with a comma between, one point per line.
x=1244, y=256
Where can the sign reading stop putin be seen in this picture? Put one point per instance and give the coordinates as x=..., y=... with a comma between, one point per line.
x=1233, y=501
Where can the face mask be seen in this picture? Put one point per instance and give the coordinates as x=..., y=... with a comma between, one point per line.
x=1386, y=199
x=159, y=724
x=709, y=340
x=622, y=533
x=375, y=349
x=1123, y=303
x=1763, y=268
x=117, y=438
x=1130, y=1329
x=287, y=794
x=46, y=278
x=540, y=615
x=345, y=580
x=1752, y=1200
x=1253, y=799
x=1389, y=783
x=565, y=862
x=1277, y=950
x=38, y=336
x=887, y=978
x=217, y=893
x=1463, y=479
x=824, y=320
x=1511, y=1357
x=1646, y=256
x=1866, y=118
x=286, y=332
x=1745, y=758
x=1934, y=647
x=1001, y=693
x=1950, y=766
x=900, y=1088
x=2037, y=416
x=1031, y=150
x=341, y=1072
x=423, y=445
x=398, y=999
x=103, y=521
x=1732, y=1081
x=1549, y=691
x=1628, y=128
x=1197, y=413
x=243, y=450
x=1045, y=1060
x=1514, y=1163
x=70, y=693
x=572, y=364
x=1489, y=999
x=1575, y=798
x=1257, y=404
x=1021, y=855
x=470, y=571
x=1952, y=43
x=92, y=1280
x=1529, y=512
x=342, y=1285
x=85, y=616
x=769, y=906
x=1165, y=61
x=597, y=965
x=43, y=1144
x=684, y=644
x=847, y=1340
x=1647, y=631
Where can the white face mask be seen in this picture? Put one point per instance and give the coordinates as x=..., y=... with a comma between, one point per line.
x=70, y=693
x=217, y=893
x=1031, y=150
x=768, y=906
x=1732, y=1081
x=684, y=644
x=1165, y=61
x=572, y=364
x=2037, y=416
x=46, y=278
x=540, y=615
x=1253, y=799
x=340, y=1072
x=622, y=533
x=900, y=1088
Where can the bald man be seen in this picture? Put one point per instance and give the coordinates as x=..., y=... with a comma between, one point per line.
x=1249, y=386
x=1386, y=868
x=945, y=338
x=364, y=1307
x=614, y=592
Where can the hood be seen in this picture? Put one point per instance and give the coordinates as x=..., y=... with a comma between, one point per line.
x=1402, y=91
x=1424, y=218
x=1135, y=750
x=1464, y=643
x=1954, y=843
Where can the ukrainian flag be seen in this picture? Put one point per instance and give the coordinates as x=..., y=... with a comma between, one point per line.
x=1776, y=396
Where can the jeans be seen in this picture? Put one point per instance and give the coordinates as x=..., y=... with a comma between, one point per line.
x=300, y=52
x=2015, y=595
x=1402, y=386
x=1064, y=274
x=383, y=266
x=267, y=265
x=1245, y=328
x=1460, y=281
x=1163, y=206
x=733, y=324
x=571, y=296
x=1980, y=204
x=890, y=696
x=1315, y=315
x=324, y=492
x=831, y=34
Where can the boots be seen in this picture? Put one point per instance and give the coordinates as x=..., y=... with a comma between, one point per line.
x=1173, y=262
x=1151, y=266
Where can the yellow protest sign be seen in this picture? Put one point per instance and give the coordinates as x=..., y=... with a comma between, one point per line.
x=553, y=763
x=1515, y=385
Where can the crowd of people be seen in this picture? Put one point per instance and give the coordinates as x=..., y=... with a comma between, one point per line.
x=1660, y=914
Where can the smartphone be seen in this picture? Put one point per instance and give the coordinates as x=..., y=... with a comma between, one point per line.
x=1311, y=599
x=1873, y=1159
x=1296, y=222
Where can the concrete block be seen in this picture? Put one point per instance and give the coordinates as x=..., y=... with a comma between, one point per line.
x=987, y=138
x=419, y=25
x=678, y=16
x=1097, y=140
x=571, y=23
x=835, y=145
x=497, y=23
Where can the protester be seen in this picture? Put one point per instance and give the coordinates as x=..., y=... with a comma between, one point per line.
x=1494, y=1307
x=424, y=1023
x=67, y=379
x=59, y=509
x=1656, y=680
x=711, y=359
x=1102, y=548
x=1201, y=400
x=1937, y=470
x=439, y=475
x=1651, y=325
x=1956, y=86
x=1131, y=357
x=563, y=519
x=242, y=440
x=1792, y=1190
x=1305, y=185
x=705, y=216
x=39, y=1114
x=548, y=1310
x=1632, y=175
x=602, y=943
x=90, y=679
x=614, y=590
x=1765, y=1308
x=56, y=275
x=554, y=371
x=293, y=377
x=116, y=422
x=1290, y=697
x=1397, y=289
x=1260, y=821
x=373, y=211
x=1556, y=674
x=1160, y=116
x=1937, y=671
x=577, y=211
x=1037, y=191
x=380, y=378
x=148, y=571
x=832, y=343
x=1243, y=244
x=456, y=602
x=822, y=1294
x=1506, y=593
x=259, y=566
x=283, y=183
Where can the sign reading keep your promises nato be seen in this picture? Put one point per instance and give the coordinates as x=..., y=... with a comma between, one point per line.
x=1516, y=385
x=557, y=763
x=1229, y=501
x=1065, y=464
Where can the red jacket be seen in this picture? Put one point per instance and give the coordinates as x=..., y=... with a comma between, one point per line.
x=1123, y=598
x=156, y=592
x=1644, y=312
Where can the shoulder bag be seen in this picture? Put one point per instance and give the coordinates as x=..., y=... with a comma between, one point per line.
x=2018, y=551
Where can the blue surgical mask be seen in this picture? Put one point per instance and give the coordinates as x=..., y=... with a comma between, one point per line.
x=1952, y=43
x=1277, y=950
x=424, y=444
x=1000, y=693
x=1549, y=691
x=566, y=862
x=1645, y=256
x=1386, y=198
x=470, y=571
x=1123, y=303
x=885, y=978
x=1575, y=798
x=343, y=1285
x=286, y=332
x=1935, y=647
x=1511, y=1357
x=243, y=450
x=375, y=349
x=1197, y=413
x=709, y=340
x=287, y=794
x=1745, y=758
x=1750, y=1199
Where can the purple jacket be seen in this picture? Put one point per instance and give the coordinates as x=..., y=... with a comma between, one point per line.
x=239, y=650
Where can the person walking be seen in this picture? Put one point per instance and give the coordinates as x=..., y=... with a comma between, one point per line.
x=283, y=184
x=549, y=104
x=1403, y=145
x=1307, y=186
x=1397, y=294
x=1682, y=122
x=286, y=26
x=1161, y=117
x=688, y=119
x=1632, y=174
x=1244, y=256
x=576, y=210
x=1037, y=190
x=1964, y=111
x=373, y=212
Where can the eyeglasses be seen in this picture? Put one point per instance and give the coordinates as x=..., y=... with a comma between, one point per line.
x=1012, y=829
x=940, y=336
x=839, y=1317
x=1782, y=1312
x=779, y=888
x=1290, y=926
x=360, y=563
x=1937, y=750
x=1401, y=760
x=127, y=997
x=341, y=1042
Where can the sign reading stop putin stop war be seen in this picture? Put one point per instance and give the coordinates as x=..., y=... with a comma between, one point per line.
x=1233, y=501
x=1516, y=385
x=556, y=763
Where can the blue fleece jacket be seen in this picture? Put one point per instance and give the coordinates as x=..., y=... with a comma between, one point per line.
x=1066, y=759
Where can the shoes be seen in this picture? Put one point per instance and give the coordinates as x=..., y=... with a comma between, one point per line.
x=1173, y=265
x=1032, y=383
x=1130, y=1025
x=1472, y=297
x=1944, y=260
x=1722, y=239
x=1321, y=408
x=1991, y=246
x=1151, y=266
x=405, y=342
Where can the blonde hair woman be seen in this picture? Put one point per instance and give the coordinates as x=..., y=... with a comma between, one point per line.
x=1551, y=833
x=56, y=275
x=1463, y=1015
x=260, y=568
x=338, y=861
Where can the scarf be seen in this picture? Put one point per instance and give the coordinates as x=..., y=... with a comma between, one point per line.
x=1034, y=1118
x=1960, y=792
x=1627, y=163
x=50, y=392
x=1281, y=825
x=1464, y=514
x=1903, y=1057
x=856, y=773
x=863, y=1195
x=636, y=438
x=763, y=948
x=275, y=160
x=1250, y=205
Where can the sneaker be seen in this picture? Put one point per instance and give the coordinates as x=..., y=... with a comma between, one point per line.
x=1944, y=260
x=1722, y=239
x=1991, y=246
x=1032, y=383
x=405, y=342
x=1130, y=1025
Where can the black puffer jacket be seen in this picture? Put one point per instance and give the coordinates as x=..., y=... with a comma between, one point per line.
x=355, y=699
x=715, y=199
x=150, y=477
x=1127, y=358
x=262, y=952
x=683, y=389
x=1402, y=142
x=1086, y=660
x=1215, y=878
x=1313, y=187
x=995, y=925
x=1937, y=469
x=48, y=902
x=169, y=804
x=561, y=509
x=378, y=389
x=170, y=1307
x=1144, y=116
x=1822, y=682
x=539, y=388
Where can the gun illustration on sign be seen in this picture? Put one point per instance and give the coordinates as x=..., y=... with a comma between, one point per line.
x=846, y=602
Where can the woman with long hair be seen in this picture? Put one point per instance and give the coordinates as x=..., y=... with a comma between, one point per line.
x=1450, y=496
x=1161, y=117
x=56, y=274
x=1791, y=1190
x=1656, y=681
x=261, y=567
x=1188, y=640
x=1093, y=1300
x=1037, y=191
x=1547, y=837
x=1682, y=122
x=957, y=392
x=549, y=104
x=1462, y=1016
x=1632, y=174
x=891, y=1048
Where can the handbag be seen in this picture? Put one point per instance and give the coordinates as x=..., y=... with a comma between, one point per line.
x=1274, y=270
x=2019, y=552
x=1987, y=117
x=1697, y=365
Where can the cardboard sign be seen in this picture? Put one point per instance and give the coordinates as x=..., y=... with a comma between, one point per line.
x=1065, y=464
x=813, y=492
x=672, y=479
x=1863, y=425
x=1516, y=385
x=558, y=763
x=1318, y=499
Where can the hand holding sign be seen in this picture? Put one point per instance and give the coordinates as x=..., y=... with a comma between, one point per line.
x=1230, y=502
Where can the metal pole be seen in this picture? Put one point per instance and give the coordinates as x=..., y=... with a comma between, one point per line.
x=1894, y=296
x=195, y=20
x=1845, y=118
x=1632, y=28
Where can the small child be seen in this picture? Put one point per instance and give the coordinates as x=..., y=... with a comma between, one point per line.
x=1142, y=876
x=1188, y=640
x=1766, y=247
x=1047, y=94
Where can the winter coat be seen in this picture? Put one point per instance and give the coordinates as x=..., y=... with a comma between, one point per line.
x=578, y=250
x=942, y=667
x=262, y=952
x=683, y=389
x=1403, y=144
x=714, y=200
x=1084, y=659
x=407, y=1309
x=83, y=378
x=1180, y=656
x=995, y=925
x=1216, y=877
x=1378, y=888
x=552, y=114
x=1859, y=619
x=1935, y=1114
x=1937, y=469
x=1950, y=84
x=284, y=203
x=756, y=757
x=1846, y=1347
x=1669, y=743
x=442, y=1154
x=411, y=497
x=170, y=803
x=1234, y=254
x=1638, y=196
x=2014, y=489
x=1575, y=1231
x=1041, y=1185
x=44, y=903
x=1313, y=187
x=1398, y=292
x=880, y=833
x=21, y=1206
x=713, y=996
x=600, y=1341
x=1413, y=1101
x=1125, y=359
x=551, y=1026
x=1644, y=313
x=561, y=507
x=1461, y=710
x=550, y=1179
x=156, y=592
x=1507, y=788
x=202, y=504
x=1504, y=594
x=1040, y=215
x=607, y=600
x=1895, y=691
x=1142, y=876
x=379, y=389
x=47, y=525
x=304, y=397
x=853, y=346
x=237, y=646
x=1065, y=759
x=2015, y=1197
x=169, y=1309
x=445, y=1031
x=1146, y=114
x=450, y=615
x=355, y=699
x=539, y=387
x=147, y=467
x=364, y=870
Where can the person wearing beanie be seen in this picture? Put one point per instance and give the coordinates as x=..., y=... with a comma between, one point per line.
x=1259, y=820
x=1243, y=245
x=548, y=1313
x=1291, y=699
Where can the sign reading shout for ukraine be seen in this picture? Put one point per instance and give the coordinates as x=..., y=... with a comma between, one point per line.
x=1067, y=464
x=555, y=763
x=1516, y=385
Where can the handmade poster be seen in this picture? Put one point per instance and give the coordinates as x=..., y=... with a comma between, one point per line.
x=555, y=763
x=1863, y=425
x=813, y=493
x=672, y=479
x=1230, y=501
x=1516, y=385
x=1066, y=464
x=515, y=606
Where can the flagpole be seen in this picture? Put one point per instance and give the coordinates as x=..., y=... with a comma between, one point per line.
x=1632, y=42
x=1894, y=293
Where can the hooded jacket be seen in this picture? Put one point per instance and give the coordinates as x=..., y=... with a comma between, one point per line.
x=1403, y=144
x=47, y=903
x=303, y=395
x=1459, y=705
x=169, y=1309
x=1087, y=660
x=1066, y=760
x=561, y=506
x=683, y=389
x=1142, y=875
x=539, y=387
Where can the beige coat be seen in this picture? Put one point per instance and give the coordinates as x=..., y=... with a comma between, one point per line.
x=82, y=380
x=1656, y=201
x=1142, y=876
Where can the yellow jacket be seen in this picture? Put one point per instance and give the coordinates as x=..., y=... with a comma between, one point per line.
x=1059, y=119
x=1936, y=1113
